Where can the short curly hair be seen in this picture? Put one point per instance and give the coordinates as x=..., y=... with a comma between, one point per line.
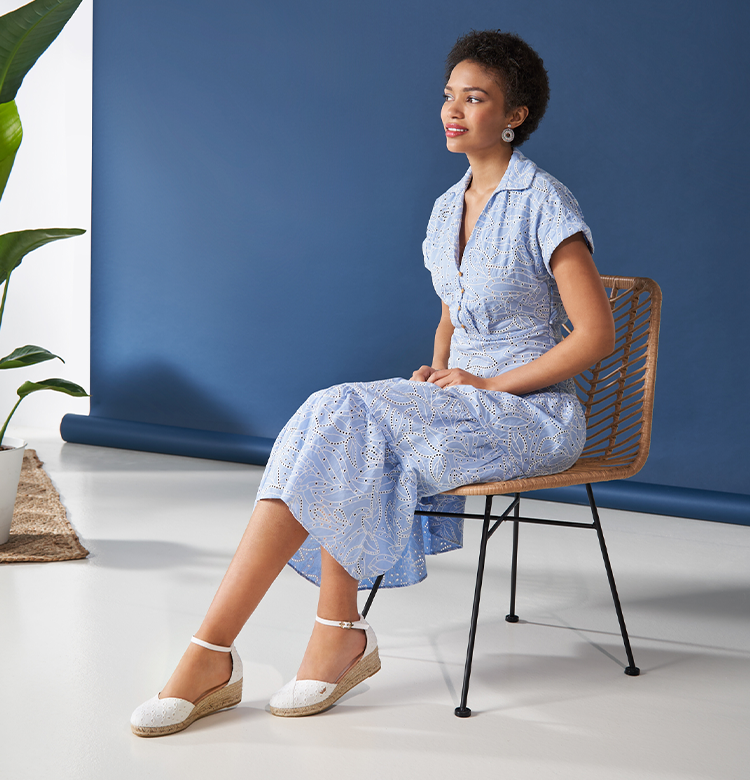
x=519, y=70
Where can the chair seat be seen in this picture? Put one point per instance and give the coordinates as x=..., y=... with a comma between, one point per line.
x=584, y=470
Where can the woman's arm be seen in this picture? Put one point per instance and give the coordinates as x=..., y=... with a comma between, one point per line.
x=440, y=356
x=593, y=335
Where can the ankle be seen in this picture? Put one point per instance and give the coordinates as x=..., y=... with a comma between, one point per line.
x=212, y=646
x=213, y=637
x=337, y=617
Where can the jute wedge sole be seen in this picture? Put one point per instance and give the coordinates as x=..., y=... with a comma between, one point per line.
x=223, y=699
x=309, y=697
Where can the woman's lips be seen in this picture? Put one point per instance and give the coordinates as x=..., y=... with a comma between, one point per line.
x=453, y=131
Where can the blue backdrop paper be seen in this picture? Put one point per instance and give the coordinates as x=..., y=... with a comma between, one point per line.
x=263, y=174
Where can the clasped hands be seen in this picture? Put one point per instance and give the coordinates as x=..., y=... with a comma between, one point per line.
x=448, y=377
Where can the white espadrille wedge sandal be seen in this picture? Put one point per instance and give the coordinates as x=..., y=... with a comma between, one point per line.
x=159, y=717
x=309, y=697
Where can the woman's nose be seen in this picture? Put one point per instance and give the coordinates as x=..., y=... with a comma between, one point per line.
x=453, y=111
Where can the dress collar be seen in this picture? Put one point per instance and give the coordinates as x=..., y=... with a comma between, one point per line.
x=518, y=175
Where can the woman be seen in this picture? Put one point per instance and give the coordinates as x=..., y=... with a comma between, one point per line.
x=510, y=257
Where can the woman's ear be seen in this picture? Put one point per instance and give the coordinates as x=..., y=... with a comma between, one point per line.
x=517, y=116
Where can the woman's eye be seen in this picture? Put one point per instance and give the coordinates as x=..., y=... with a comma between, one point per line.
x=472, y=99
x=446, y=97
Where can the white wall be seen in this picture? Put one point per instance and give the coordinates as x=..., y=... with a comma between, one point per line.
x=50, y=186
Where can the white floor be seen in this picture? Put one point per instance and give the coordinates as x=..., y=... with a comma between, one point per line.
x=83, y=642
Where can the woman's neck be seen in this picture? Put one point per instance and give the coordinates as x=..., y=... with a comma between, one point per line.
x=488, y=169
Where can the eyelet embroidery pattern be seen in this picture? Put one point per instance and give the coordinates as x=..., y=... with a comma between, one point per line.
x=157, y=712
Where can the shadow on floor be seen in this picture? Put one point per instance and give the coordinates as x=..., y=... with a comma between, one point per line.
x=143, y=555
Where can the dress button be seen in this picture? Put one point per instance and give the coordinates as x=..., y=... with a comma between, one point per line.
x=460, y=273
x=462, y=289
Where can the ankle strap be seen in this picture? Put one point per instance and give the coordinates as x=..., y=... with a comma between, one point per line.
x=361, y=623
x=209, y=646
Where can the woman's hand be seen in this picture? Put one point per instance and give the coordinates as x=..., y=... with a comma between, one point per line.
x=423, y=374
x=448, y=377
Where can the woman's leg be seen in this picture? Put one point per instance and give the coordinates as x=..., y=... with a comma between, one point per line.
x=332, y=650
x=272, y=536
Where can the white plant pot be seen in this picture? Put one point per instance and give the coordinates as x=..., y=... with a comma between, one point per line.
x=10, y=472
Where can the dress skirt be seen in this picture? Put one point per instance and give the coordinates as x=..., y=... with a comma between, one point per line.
x=357, y=459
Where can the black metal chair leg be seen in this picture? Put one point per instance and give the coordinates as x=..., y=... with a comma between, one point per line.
x=462, y=711
x=511, y=617
x=371, y=597
x=632, y=670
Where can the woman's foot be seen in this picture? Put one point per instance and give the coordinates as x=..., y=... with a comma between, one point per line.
x=199, y=687
x=330, y=652
x=199, y=672
x=335, y=661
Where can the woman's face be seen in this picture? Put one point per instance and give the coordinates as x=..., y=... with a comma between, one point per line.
x=473, y=113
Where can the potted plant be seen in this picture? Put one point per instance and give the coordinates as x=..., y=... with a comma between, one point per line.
x=24, y=35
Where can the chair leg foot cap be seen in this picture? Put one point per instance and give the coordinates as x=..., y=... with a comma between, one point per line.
x=632, y=671
x=512, y=618
x=462, y=712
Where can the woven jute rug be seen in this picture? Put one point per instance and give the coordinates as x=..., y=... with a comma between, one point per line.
x=40, y=530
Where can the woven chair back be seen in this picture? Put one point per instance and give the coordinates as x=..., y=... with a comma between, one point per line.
x=618, y=392
x=617, y=395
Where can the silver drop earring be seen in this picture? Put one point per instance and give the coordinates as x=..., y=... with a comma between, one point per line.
x=508, y=134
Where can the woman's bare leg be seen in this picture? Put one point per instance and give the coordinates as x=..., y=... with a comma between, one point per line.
x=332, y=650
x=272, y=536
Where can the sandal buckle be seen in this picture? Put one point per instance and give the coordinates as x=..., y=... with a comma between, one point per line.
x=346, y=624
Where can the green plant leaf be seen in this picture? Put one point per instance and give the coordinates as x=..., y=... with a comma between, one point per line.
x=11, y=134
x=15, y=246
x=27, y=388
x=61, y=385
x=24, y=36
x=27, y=356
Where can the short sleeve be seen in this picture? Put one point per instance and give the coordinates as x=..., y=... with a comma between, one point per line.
x=559, y=218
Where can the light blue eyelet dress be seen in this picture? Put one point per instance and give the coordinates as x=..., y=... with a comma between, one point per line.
x=357, y=459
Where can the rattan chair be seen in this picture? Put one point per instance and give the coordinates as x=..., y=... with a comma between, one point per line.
x=618, y=396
